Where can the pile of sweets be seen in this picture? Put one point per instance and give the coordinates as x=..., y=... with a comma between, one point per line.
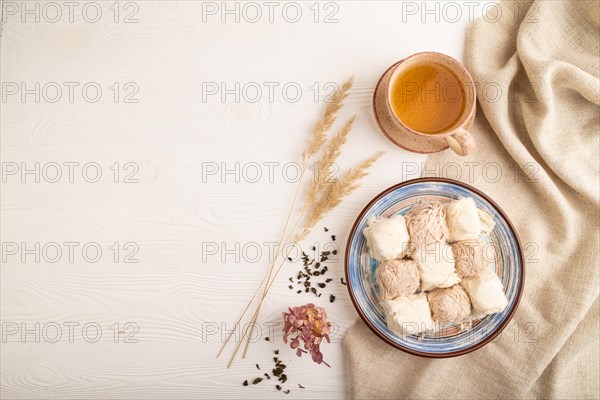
x=433, y=267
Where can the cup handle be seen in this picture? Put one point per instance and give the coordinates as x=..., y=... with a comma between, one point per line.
x=462, y=142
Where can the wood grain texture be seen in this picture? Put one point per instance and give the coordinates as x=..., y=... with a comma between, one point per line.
x=180, y=298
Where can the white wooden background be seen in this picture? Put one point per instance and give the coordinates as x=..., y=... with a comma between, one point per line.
x=171, y=133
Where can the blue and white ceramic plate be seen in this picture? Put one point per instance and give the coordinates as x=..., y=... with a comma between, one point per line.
x=453, y=340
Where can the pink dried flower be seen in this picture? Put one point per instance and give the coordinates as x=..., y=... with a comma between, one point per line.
x=309, y=324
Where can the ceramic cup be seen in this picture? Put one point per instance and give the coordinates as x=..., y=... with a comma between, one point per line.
x=457, y=137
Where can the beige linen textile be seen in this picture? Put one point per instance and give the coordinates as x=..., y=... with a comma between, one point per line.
x=542, y=134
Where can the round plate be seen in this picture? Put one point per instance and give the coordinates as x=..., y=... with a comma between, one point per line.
x=406, y=141
x=364, y=290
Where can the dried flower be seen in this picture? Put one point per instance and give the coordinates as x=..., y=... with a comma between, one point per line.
x=310, y=325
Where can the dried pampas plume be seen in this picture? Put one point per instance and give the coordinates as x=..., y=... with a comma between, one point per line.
x=318, y=138
x=336, y=192
x=322, y=196
x=322, y=174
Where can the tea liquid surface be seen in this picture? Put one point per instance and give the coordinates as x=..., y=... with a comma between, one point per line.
x=428, y=98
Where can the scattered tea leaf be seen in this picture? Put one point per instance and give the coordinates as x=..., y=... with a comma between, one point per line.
x=312, y=268
x=245, y=383
x=257, y=381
